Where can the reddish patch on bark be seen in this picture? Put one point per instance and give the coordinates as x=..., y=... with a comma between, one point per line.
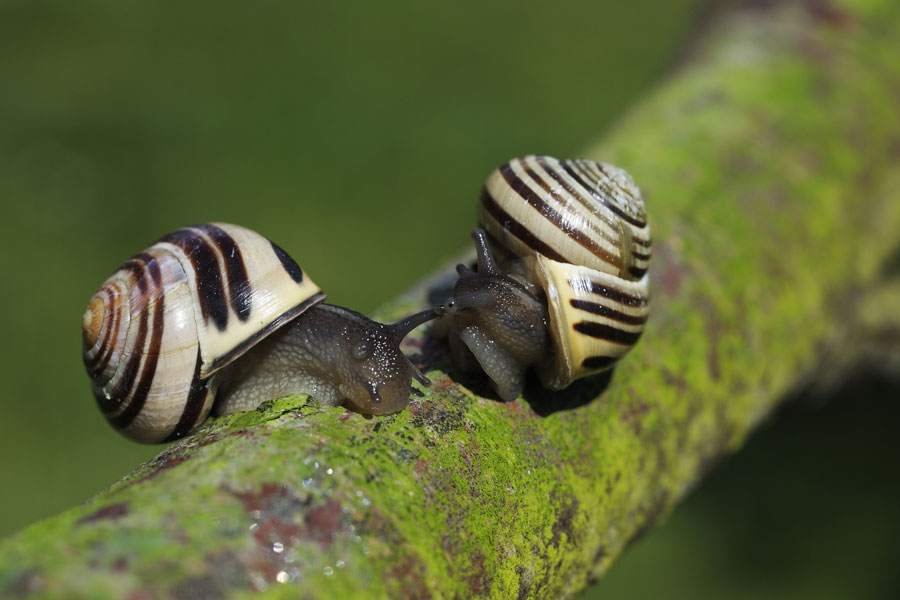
x=437, y=417
x=210, y=439
x=479, y=580
x=469, y=453
x=268, y=495
x=343, y=418
x=826, y=12
x=173, y=462
x=378, y=524
x=162, y=463
x=563, y=524
x=632, y=415
x=673, y=271
x=120, y=565
x=281, y=520
x=275, y=508
x=111, y=511
x=894, y=148
x=323, y=522
x=408, y=573
x=450, y=544
x=215, y=437
x=673, y=379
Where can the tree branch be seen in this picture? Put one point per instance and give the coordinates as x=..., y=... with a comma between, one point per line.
x=769, y=167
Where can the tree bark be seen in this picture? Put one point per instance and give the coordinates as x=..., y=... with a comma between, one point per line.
x=769, y=162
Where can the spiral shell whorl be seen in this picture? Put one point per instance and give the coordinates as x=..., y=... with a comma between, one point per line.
x=579, y=212
x=101, y=339
x=169, y=318
x=582, y=228
x=148, y=384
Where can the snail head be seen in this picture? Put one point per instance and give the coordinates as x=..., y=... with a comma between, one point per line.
x=375, y=374
x=490, y=294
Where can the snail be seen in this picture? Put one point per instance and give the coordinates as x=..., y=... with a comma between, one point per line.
x=567, y=292
x=217, y=317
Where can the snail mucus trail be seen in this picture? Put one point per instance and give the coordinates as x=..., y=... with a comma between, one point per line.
x=218, y=314
x=567, y=292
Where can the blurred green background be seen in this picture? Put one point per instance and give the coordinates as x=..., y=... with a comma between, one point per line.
x=355, y=134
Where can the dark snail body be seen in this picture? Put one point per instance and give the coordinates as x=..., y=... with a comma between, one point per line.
x=334, y=354
x=571, y=295
x=497, y=323
x=175, y=323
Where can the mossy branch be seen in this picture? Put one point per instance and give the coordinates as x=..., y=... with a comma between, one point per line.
x=769, y=166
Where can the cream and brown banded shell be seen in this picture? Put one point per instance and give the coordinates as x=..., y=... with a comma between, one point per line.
x=582, y=230
x=171, y=317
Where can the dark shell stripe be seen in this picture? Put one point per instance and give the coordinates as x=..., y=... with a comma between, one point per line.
x=125, y=380
x=197, y=401
x=583, y=228
x=641, y=255
x=242, y=285
x=620, y=324
x=607, y=333
x=290, y=266
x=588, y=202
x=97, y=359
x=208, y=276
x=139, y=395
x=209, y=256
x=595, y=180
x=598, y=363
x=238, y=282
x=122, y=382
x=140, y=378
x=623, y=298
x=613, y=304
x=536, y=202
x=591, y=176
x=508, y=223
x=102, y=361
x=586, y=205
x=557, y=217
x=148, y=371
x=610, y=313
x=159, y=343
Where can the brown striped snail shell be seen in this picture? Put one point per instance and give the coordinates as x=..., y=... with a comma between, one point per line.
x=569, y=293
x=164, y=334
